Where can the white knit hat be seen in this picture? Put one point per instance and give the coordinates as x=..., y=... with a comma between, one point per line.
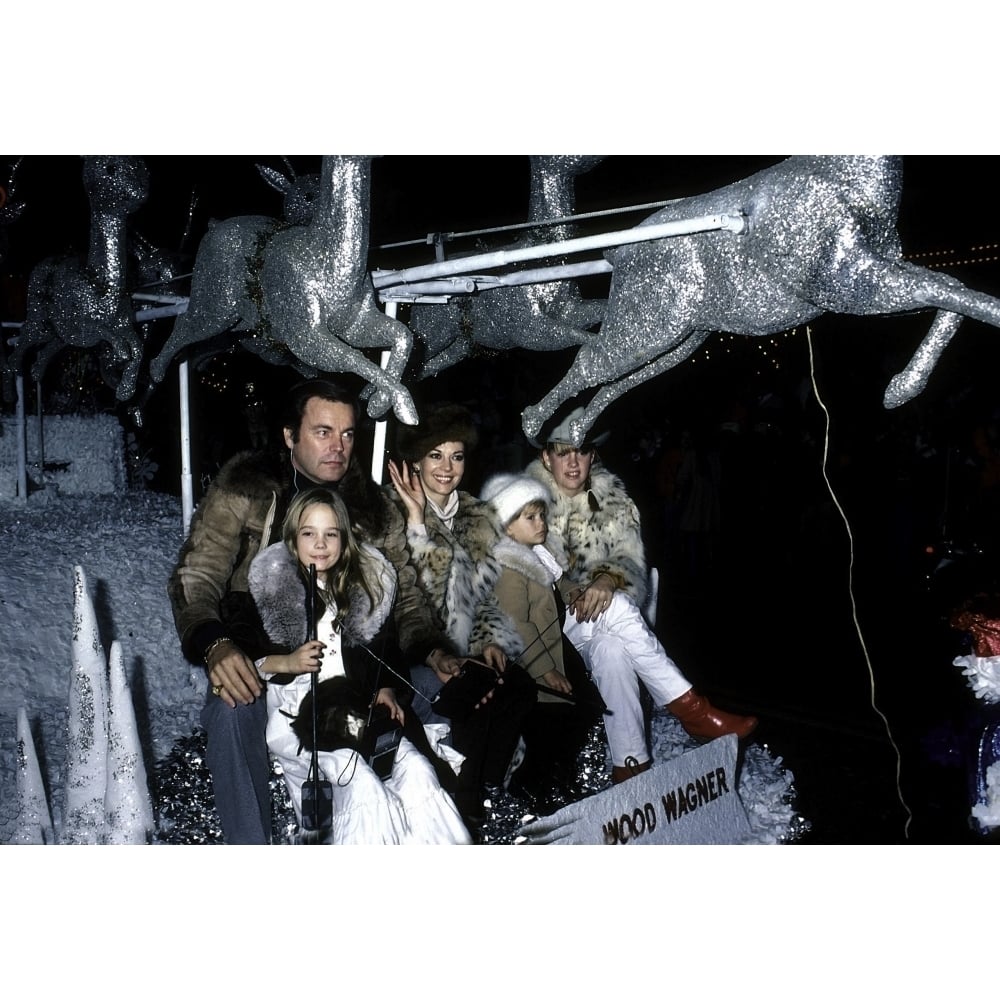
x=508, y=494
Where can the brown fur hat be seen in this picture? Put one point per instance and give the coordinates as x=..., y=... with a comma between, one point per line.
x=445, y=422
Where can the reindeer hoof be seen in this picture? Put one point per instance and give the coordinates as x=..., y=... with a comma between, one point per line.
x=378, y=403
x=400, y=402
x=901, y=389
x=577, y=431
x=531, y=421
x=406, y=412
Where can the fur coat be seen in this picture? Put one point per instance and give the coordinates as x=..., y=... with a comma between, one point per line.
x=241, y=514
x=605, y=540
x=279, y=593
x=458, y=573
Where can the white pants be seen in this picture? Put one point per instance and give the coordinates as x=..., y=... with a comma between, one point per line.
x=409, y=807
x=620, y=649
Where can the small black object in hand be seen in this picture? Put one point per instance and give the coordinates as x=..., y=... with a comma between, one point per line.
x=459, y=697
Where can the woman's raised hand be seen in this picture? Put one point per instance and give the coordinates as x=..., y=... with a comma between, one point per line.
x=410, y=490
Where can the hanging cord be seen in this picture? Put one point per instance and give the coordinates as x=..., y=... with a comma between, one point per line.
x=850, y=586
x=565, y=697
x=351, y=765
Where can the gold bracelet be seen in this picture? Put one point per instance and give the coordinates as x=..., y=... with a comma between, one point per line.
x=213, y=645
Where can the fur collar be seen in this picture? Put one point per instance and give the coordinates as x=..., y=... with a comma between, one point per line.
x=279, y=593
x=253, y=474
x=604, y=484
x=520, y=558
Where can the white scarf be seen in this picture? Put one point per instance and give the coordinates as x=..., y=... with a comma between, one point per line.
x=448, y=512
x=548, y=560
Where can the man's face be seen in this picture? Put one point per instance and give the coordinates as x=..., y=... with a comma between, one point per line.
x=325, y=440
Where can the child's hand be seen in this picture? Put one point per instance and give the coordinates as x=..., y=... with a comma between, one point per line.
x=387, y=697
x=307, y=659
x=555, y=680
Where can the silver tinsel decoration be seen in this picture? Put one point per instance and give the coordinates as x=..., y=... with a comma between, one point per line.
x=184, y=802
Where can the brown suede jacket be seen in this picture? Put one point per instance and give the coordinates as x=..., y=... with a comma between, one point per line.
x=241, y=514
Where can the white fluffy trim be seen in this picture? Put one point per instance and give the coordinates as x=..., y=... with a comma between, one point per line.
x=988, y=812
x=984, y=676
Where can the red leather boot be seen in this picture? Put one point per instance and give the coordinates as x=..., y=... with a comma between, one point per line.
x=704, y=721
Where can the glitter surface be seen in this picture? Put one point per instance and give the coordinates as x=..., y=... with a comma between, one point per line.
x=543, y=317
x=820, y=236
x=300, y=291
x=83, y=304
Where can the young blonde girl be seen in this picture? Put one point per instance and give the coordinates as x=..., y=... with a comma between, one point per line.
x=355, y=649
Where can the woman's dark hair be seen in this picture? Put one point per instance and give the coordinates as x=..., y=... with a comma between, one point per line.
x=444, y=422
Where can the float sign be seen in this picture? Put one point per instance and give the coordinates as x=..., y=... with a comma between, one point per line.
x=691, y=799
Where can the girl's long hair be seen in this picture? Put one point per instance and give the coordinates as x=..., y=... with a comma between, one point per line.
x=349, y=571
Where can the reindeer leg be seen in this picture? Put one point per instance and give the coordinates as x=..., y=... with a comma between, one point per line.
x=458, y=350
x=45, y=354
x=337, y=356
x=942, y=291
x=912, y=380
x=378, y=330
x=130, y=376
x=532, y=417
x=592, y=367
x=610, y=392
x=190, y=330
x=906, y=287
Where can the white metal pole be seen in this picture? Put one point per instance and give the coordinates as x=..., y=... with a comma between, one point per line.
x=499, y=258
x=378, y=446
x=41, y=431
x=187, y=489
x=22, y=442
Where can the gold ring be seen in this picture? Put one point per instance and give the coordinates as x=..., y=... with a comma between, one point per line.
x=217, y=690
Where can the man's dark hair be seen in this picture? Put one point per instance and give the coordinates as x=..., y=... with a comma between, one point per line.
x=360, y=492
x=299, y=395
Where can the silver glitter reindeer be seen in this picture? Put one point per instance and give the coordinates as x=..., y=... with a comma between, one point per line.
x=820, y=237
x=73, y=303
x=302, y=289
x=545, y=317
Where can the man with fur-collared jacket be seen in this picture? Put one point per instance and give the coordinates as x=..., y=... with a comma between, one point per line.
x=216, y=620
